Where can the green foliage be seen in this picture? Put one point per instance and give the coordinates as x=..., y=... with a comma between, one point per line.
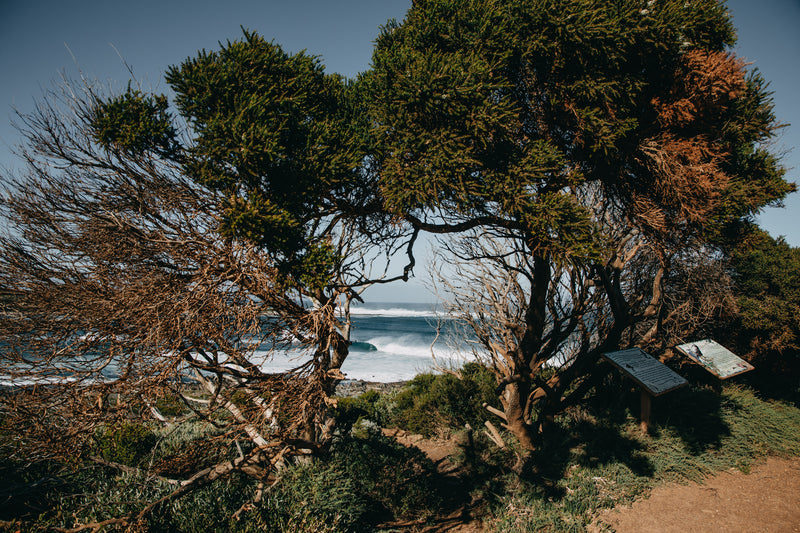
x=135, y=123
x=501, y=109
x=766, y=273
x=170, y=405
x=370, y=405
x=395, y=481
x=315, y=497
x=363, y=482
x=748, y=129
x=431, y=403
x=126, y=442
x=271, y=135
x=318, y=265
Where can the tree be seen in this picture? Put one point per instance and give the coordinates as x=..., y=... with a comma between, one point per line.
x=576, y=153
x=766, y=330
x=157, y=258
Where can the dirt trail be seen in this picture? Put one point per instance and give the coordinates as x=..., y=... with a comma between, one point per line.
x=766, y=500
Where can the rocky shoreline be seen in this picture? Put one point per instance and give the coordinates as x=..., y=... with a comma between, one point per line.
x=355, y=387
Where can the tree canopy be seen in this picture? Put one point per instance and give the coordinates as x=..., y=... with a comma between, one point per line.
x=590, y=149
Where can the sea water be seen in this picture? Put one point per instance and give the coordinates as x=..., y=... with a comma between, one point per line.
x=392, y=342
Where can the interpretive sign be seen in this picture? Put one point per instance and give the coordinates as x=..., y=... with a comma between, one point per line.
x=715, y=358
x=651, y=374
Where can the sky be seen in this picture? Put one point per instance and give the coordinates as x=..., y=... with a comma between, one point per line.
x=41, y=40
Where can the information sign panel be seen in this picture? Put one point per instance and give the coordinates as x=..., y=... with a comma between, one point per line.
x=715, y=358
x=650, y=373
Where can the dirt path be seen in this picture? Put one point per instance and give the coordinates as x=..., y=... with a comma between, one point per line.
x=766, y=500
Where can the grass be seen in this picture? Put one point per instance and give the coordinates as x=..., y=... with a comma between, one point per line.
x=594, y=457
x=597, y=457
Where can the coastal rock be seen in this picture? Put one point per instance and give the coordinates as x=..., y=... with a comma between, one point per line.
x=355, y=387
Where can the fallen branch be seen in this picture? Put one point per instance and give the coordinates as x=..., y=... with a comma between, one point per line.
x=130, y=469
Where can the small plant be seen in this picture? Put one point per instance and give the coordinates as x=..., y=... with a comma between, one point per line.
x=126, y=442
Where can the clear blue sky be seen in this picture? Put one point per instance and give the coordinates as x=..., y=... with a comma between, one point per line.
x=150, y=35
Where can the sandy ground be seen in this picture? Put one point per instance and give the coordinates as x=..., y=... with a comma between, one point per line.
x=766, y=500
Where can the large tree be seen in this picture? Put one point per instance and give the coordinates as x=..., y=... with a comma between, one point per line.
x=585, y=154
x=147, y=251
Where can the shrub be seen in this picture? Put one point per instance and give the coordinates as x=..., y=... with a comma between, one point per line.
x=126, y=442
x=370, y=405
x=393, y=480
x=433, y=402
x=314, y=497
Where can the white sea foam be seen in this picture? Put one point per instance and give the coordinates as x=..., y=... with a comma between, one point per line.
x=395, y=344
x=393, y=312
x=410, y=345
x=392, y=361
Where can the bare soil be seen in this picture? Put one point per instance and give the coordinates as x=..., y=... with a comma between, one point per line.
x=765, y=500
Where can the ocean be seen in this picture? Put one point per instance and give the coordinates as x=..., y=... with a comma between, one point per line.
x=393, y=342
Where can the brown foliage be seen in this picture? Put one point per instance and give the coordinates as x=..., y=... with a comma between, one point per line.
x=121, y=290
x=704, y=83
x=683, y=179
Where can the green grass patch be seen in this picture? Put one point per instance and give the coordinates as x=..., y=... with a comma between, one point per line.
x=596, y=456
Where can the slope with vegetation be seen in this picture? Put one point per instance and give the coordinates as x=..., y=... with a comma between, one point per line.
x=594, y=457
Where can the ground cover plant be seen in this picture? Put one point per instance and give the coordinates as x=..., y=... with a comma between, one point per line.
x=595, y=457
x=362, y=482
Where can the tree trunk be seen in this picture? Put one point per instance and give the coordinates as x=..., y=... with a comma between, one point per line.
x=514, y=408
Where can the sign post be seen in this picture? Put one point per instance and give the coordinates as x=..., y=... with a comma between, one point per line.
x=644, y=411
x=653, y=377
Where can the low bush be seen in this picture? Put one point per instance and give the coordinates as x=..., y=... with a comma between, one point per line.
x=126, y=442
x=314, y=497
x=395, y=481
x=370, y=405
x=432, y=402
